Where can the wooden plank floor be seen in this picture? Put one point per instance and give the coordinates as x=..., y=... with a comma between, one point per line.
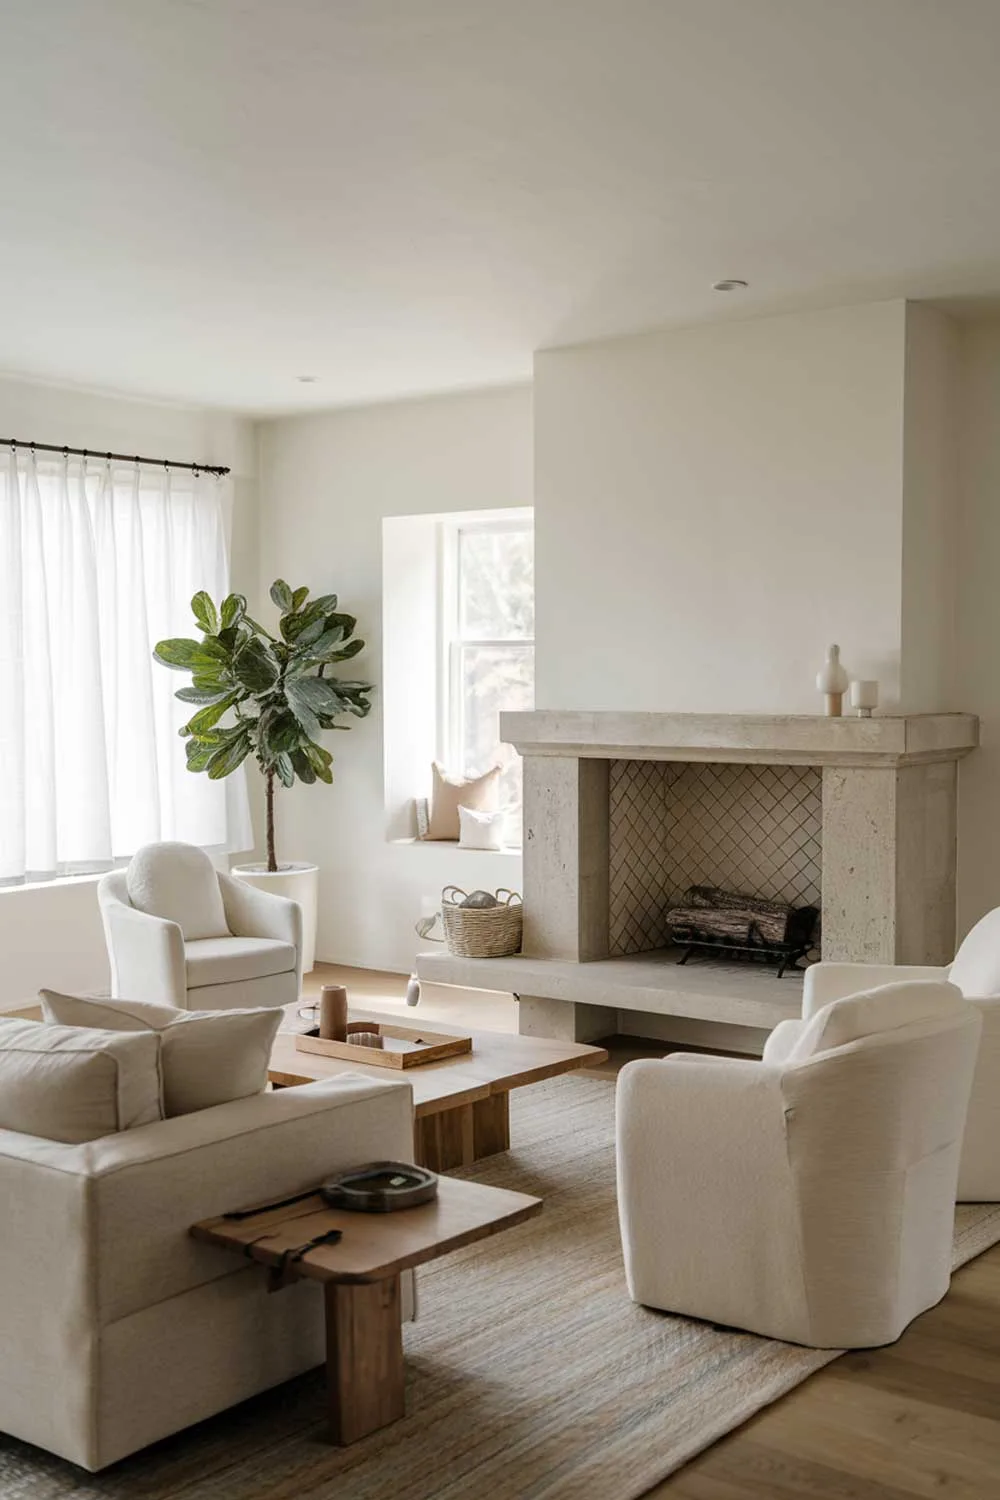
x=919, y=1420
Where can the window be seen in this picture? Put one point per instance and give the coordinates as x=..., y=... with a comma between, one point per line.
x=97, y=563
x=488, y=628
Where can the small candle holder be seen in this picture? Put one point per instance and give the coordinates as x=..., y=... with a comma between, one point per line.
x=864, y=697
x=365, y=1039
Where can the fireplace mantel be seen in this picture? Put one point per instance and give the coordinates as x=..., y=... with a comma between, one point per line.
x=602, y=827
x=749, y=739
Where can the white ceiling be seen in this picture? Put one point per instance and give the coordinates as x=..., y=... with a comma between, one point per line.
x=203, y=199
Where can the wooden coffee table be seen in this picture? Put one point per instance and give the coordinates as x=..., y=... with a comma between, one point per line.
x=462, y=1104
x=360, y=1276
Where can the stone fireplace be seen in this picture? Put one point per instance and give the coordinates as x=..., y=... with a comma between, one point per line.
x=623, y=812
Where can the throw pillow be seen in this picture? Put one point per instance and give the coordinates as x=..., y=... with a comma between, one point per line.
x=69, y=1085
x=481, y=830
x=449, y=793
x=178, y=882
x=208, y=1056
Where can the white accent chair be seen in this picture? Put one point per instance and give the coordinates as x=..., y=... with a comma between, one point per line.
x=976, y=972
x=181, y=933
x=809, y=1196
x=117, y=1327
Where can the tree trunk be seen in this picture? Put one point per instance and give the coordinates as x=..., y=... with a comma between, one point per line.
x=272, y=863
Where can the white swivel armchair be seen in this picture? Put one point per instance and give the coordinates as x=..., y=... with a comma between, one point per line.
x=809, y=1196
x=976, y=972
x=181, y=933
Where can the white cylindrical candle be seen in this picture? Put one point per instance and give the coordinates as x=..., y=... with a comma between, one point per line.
x=864, y=696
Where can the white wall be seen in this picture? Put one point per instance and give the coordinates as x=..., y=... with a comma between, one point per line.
x=977, y=657
x=713, y=506
x=51, y=935
x=932, y=405
x=327, y=483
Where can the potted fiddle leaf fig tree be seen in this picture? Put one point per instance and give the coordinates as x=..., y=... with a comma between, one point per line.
x=269, y=696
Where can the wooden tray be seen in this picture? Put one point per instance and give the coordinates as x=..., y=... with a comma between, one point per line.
x=405, y=1047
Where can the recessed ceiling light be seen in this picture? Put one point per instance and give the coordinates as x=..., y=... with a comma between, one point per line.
x=307, y=379
x=731, y=284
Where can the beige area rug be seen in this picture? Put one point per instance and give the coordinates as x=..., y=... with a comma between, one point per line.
x=531, y=1375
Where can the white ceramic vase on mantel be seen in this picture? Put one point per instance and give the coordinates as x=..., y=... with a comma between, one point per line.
x=298, y=882
x=831, y=681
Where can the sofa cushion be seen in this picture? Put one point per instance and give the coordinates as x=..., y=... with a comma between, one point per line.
x=871, y=1012
x=208, y=1056
x=230, y=960
x=976, y=969
x=178, y=882
x=68, y=1085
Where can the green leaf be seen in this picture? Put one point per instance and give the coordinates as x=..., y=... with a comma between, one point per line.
x=285, y=769
x=198, y=756
x=211, y=682
x=303, y=767
x=299, y=597
x=200, y=694
x=321, y=760
x=299, y=693
x=346, y=652
x=234, y=607
x=211, y=650
x=179, y=654
x=281, y=595
x=293, y=624
x=208, y=717
x=216, y=738
x=277, y=731
x=225, y=760
x=205, y=612
x=255, y=667
x=315, y=651
x=312, y=632
x=313, y=693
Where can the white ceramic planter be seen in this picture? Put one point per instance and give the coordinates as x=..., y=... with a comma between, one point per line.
x=299, y=883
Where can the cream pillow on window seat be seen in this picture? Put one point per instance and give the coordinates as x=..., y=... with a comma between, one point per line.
x=481, y=830
x=448, y=793
x=208, y=1057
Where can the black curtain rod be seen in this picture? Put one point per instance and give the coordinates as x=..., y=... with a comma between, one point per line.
x=124, y=458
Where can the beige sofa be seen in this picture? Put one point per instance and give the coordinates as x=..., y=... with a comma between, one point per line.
x=117, y=1327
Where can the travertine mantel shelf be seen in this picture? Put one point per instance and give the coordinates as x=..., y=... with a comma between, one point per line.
x=750, y=739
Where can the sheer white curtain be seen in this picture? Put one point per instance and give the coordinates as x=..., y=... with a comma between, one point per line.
x=98, y=561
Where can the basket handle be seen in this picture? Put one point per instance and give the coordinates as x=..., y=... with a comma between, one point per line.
x=424, y=928
x=450, y=892
x=512, y=897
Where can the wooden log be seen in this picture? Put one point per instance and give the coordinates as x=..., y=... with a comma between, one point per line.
x=709, y=912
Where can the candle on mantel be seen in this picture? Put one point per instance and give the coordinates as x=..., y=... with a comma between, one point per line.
x=864, y=697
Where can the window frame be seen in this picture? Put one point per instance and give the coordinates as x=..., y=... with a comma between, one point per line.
x=451, y=640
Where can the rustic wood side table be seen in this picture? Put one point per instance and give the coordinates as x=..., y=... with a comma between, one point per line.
x=360, y=1276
